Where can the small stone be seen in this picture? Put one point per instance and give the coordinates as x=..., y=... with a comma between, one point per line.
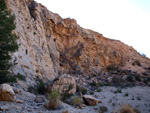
x=83, y=105
x=65, y=111
x=18, y=91
x=77, y=107
x=39, y=99
x=5, y=108
x=19, y=101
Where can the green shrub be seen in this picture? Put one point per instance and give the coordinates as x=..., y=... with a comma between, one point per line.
x=118, y=80
x=138, y=98
x=91, y=93
x=107, y=84
x=99, y=84
x=137, y=62
x=119, y=91
x=20, y=77
x=138, y=78
x=81, y=89
x=66, y=96
x=33, y=90
x=136, y=111
x=146, y=80
x=99, y=90
x=111, y=67
x=93, y=83
x=103, y=109
x=40, y=87
x=126, y=94
x=12, y=78
x=76, y=101
x=130, y=78
x=54, y=102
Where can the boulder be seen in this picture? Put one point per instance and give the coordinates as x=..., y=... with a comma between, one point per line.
x=89, y=100
x=7, y=93
x=64, y=84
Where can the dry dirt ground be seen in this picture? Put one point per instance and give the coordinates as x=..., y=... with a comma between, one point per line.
x=111, y=97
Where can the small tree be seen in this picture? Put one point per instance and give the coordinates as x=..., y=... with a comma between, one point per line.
x=8, y=42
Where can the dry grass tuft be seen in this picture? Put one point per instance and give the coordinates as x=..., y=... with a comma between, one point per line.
x=54, y=102
x=76, y=101
x=126, y=109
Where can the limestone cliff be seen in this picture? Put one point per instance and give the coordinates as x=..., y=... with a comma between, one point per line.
x=51, y=45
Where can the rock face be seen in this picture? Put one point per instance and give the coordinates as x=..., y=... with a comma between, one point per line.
x=51, y=45
x=6, y=93
x=64, y=84
x=89, y=100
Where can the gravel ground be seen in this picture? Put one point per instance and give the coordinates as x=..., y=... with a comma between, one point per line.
x=111, y=97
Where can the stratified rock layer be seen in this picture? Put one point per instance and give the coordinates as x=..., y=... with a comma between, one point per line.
x=51, y=45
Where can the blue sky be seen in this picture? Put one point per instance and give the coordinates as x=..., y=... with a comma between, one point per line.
x=142, y=4
x=125, y=20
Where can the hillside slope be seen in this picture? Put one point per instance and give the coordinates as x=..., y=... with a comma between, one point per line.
x=51, y=45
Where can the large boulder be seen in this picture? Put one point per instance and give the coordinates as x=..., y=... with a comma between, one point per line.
x=89, y=100
x=64, y=84
x=7, y=93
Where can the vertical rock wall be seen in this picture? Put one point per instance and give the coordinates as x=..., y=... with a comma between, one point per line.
x=36, y=46
x=49, y=45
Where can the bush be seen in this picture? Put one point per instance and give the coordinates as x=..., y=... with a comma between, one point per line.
x=81, y=89
x=107, y=84
x=20, y=77
x=99, y=84
x=138, y=78
x=66, y=96
x=76, y=101
x=91, y=93
x=93, y=83
x=54, y=102
x=130, y=78
x=99, y=90
x=119, y=91
x=111, y=67
x=12, y=78
x=103, y=109
x=33, y=90
x=137, y=111
x=126, y=94
x=137, y=62
x=40, y=87
x=126, y=109
x=118, y=80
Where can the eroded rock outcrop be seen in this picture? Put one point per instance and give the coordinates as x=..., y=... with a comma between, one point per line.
x=51, y=45
x=64, y=84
